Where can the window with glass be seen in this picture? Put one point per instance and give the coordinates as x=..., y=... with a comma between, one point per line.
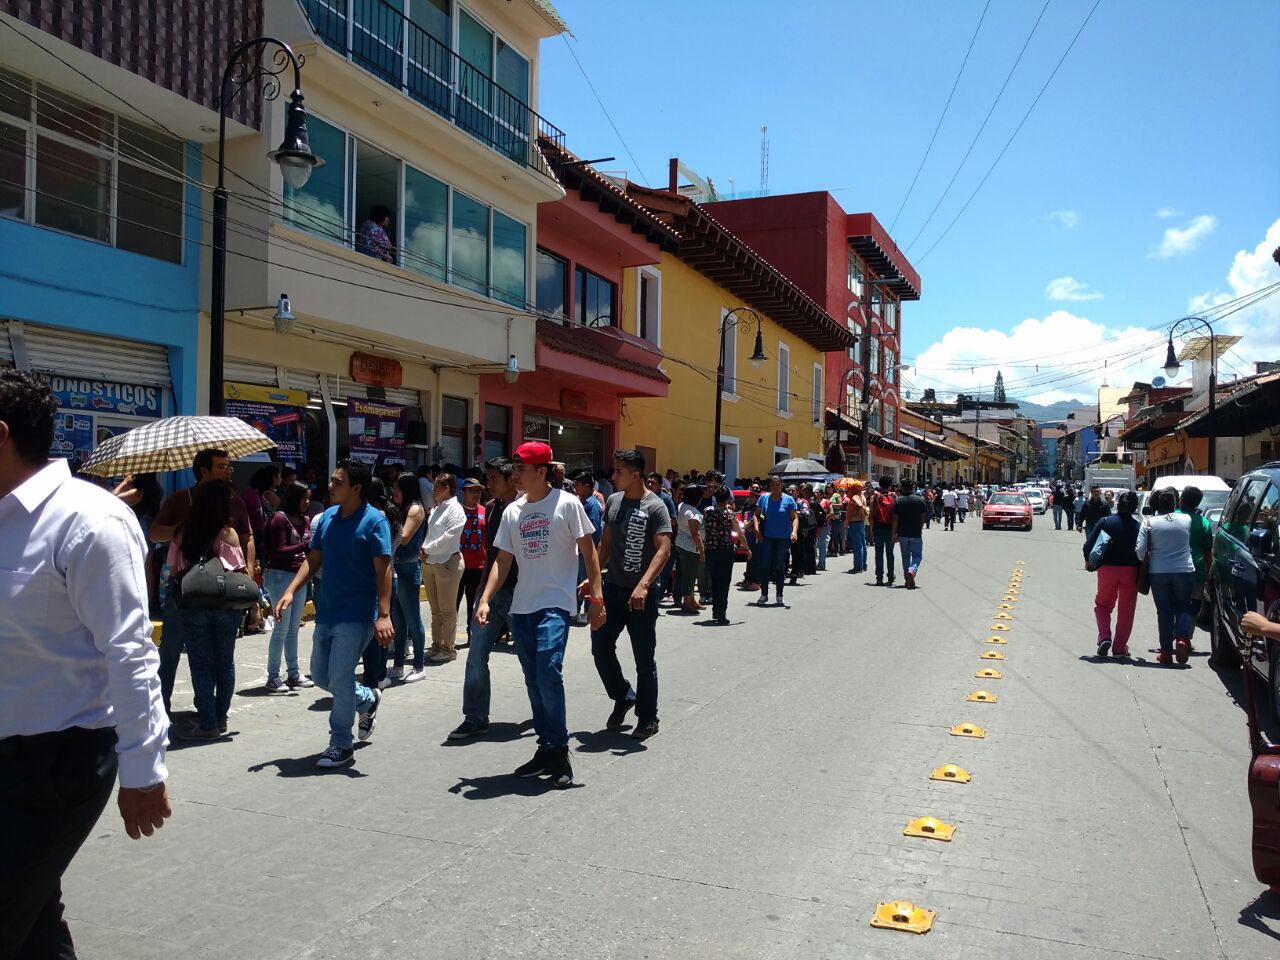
x=454, y=417
x=730, y=355
x=321, y=205
x=890, y=368
x=856, y=275
x=890, y=421
x=497, y=431
x=593, y=298
x=426, y=223
x=509, y=239
x=784, y=378
x=875, y=355
x=552, y=282
x=817, y=393
x=71, y=166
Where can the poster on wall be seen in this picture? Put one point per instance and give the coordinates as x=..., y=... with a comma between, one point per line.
x=106, y=396
x=376, y=431
x=73, y=436
x=273, y=412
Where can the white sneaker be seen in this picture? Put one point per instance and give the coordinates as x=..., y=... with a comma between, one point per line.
x=413, y=676
x=385, y=682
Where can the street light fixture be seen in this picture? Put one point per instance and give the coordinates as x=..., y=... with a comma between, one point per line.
x=743, y=319
x=1172, y=367
x=296, y=162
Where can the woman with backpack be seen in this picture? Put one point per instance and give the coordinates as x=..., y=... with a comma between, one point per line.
x=209, y=635
x=1117, y=568
x=287, y=536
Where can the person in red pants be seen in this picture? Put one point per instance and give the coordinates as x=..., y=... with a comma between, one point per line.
x=1117, y=570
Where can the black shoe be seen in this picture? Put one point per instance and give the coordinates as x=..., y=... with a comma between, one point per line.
x=540, y=764
x=645, y=730
x=468, y=728
x=891, y=581
x=369, y=719
x=1104, y=647
x=560, y=768
x=780, y=602
x=721, y=621
x=619, y=714
x=880, y=581
x=335, y=757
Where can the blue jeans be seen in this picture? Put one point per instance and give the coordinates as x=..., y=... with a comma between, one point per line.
x=1057, y=517
x=823, y=538
x=912, y=553
x=336, y=648
x=406, y=614
x=475, y=685
x=751, y=573
x=211, y=655
x=1172, y=594
x=773, y=563
x=170, y=646
x=884, y=551
x=284, y=638
x=857, y=538
x=836, y=546
x=641, y=626
x=540, y=639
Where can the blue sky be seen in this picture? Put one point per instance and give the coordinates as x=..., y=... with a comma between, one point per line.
x=1163, y=107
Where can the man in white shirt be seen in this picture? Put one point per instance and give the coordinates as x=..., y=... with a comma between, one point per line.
x=962, y=502
x=544, y=531
x=80, y=691
x=949, y=509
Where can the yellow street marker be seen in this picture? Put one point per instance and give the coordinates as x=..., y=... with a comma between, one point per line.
x=981, y=696
x=1000, y=626
x=989, y=674
x=930, y=828
x=996, y=640
x=1010, y=598
x=903, y=915
x=1002, y=616
x=951, y=774
x=1004, y=606
x=1021, y=562
x=992, y=655
x=968, y=730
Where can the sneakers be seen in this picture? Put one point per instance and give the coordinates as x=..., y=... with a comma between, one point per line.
x=619, y=714
x=369, y=719
x=443, y=656
x=1164, y=657
x=1181, y=650
x=413, y=676
x=335, y=757
x=276, y=685
x=537, y=766
x=1104, y=647
x=468, y=728
x=194, y=732
x=579, y=620
x=779, y=602
x=910, y=578
x=560, y=769
x=299, y=682
x=764, y=598
x=395, y=673
x=645, y=730
x=880, y=581
x=891, y=581
x=721, y=621
x=1118, y=651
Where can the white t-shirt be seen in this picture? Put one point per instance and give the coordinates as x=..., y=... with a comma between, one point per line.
x=543, y=537
x=949, y=498
x=962, y=499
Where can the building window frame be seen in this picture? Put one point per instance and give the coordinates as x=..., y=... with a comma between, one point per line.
x=581, y=278
x=649, y=306
x=562, y=316
x=816, y=403
x=730, y=391
x=784, y=378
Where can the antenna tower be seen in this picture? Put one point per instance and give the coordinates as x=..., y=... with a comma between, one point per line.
x=764, y=160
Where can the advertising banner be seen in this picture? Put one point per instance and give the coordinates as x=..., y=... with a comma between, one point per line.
x=275, y=413
x=376, y=430
x=105, y=396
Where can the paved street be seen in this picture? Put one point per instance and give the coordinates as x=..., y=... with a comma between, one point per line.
x=1106, y=816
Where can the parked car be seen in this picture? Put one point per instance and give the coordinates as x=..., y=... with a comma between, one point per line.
x=1246, y=576
x=1038, y=502
x=1007, y=509
x=1215, y=490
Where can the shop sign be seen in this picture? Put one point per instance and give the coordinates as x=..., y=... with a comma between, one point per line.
x=375, y=371
x=275, y=413
x=573, y=401
x=377, y=430
x=106, y=396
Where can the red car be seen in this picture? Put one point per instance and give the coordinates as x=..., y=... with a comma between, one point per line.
x=1007, y=509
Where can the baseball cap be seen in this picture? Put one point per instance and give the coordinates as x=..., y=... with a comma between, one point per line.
x=472, y=483
x=534, y=453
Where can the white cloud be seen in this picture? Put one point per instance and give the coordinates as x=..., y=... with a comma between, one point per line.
x=1068, y=218
x=1069, y=288
x=1184, y=239
x=1258, y=325
x=1164, y=213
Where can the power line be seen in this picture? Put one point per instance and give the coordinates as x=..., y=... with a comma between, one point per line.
x=603, y=108
x=945, y=107
x=1016, y=130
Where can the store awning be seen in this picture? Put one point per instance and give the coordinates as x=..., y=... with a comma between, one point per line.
x=1249, y=410
x=932, y=449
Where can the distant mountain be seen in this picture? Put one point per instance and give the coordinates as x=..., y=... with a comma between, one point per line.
x=1054, y=411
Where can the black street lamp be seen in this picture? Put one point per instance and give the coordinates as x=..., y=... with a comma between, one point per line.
x=293, y=155
x=743, y=319
x=1172, y=366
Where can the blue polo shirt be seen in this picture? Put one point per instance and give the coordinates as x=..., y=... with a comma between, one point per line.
x=777, y=519
x=349, y=588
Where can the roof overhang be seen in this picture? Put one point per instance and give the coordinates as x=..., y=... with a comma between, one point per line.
x=1249, y=410
x=871, y=241
x=1152, y=428
x=625, y=364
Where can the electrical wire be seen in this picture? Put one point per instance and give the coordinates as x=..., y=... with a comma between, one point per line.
x=603, y=108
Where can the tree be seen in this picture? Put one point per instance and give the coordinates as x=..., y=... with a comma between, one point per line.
x=999, y=391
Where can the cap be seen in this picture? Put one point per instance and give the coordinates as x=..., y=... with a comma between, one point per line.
x=534, y=453
x=472, y=483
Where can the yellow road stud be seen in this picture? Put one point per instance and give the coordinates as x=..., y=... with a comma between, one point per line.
x=989, y=674
x=981, y=696
x=996, y=640
x=993, y=655
x=1004, y=606
x=951, y=774
x=1000, y=626
x=1021, y=562
x=968, y=730
x=1002, y=616
x=903, y=915
x=931, y=828
x=1010, y=598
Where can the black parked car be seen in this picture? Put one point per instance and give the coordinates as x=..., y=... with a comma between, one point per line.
x=1246, y=575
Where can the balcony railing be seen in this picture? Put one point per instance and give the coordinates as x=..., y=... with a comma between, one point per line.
x=387, y=44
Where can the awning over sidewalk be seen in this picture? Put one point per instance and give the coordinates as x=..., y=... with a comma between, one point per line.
x=932, y=449
x=1249, y=410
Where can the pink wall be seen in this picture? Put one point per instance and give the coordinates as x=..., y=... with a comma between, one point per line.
x=540, y=392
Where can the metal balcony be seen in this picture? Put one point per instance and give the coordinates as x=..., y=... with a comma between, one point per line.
x=380, y=39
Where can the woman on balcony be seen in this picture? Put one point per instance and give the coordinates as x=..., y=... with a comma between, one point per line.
x=373, y=238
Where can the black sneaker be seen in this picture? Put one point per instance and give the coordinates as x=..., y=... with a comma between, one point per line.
x=645, y=730
x=764, y=598
x=276, y=685
x=540, y=764
x=299, y=682
x=560, y=769
x=780, y=602
x=468, y=728
x=619, y=714
x=1104, y=647
x=335, y=757
x=369, y=719
x=880, y=581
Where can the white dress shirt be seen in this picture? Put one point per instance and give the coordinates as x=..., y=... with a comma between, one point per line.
x=75, y=636
x=444, y=531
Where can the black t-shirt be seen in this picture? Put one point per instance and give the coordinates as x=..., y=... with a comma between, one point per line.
x=910, y=511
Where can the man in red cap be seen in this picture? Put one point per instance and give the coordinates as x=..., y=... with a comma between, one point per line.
x=544, y=531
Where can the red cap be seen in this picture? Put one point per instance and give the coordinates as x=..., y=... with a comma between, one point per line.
x=534, y=453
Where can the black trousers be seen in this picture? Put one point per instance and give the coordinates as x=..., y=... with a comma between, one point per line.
x=53, y=788
x=720, y=572
x=469, y=586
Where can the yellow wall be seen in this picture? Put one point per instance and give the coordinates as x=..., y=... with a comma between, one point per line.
x=680, y=426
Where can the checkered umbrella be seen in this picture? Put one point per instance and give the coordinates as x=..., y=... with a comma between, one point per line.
x=171, y=443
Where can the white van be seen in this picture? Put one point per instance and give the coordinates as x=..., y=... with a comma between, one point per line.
x=1215, y=489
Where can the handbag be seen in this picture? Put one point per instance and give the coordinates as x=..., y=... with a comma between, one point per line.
x=208, y=585
x=1144, y=568
x=1099, y=549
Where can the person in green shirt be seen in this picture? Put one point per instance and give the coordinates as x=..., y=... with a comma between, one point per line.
x=1201, y=543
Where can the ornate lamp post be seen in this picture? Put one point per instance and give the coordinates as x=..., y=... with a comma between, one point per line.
x=293, y=155
x=1172, y=366
x=741, y=319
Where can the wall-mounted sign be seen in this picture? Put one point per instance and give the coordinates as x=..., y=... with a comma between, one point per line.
x=376, y=430
x=275, y=413
x=106, y=396
x=375, y=371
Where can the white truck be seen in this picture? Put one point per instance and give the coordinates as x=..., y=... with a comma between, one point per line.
x=1113, y=476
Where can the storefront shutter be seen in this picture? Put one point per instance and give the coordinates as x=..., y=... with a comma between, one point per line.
x=95, y=357
x=249, y=371
x=6, y=352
